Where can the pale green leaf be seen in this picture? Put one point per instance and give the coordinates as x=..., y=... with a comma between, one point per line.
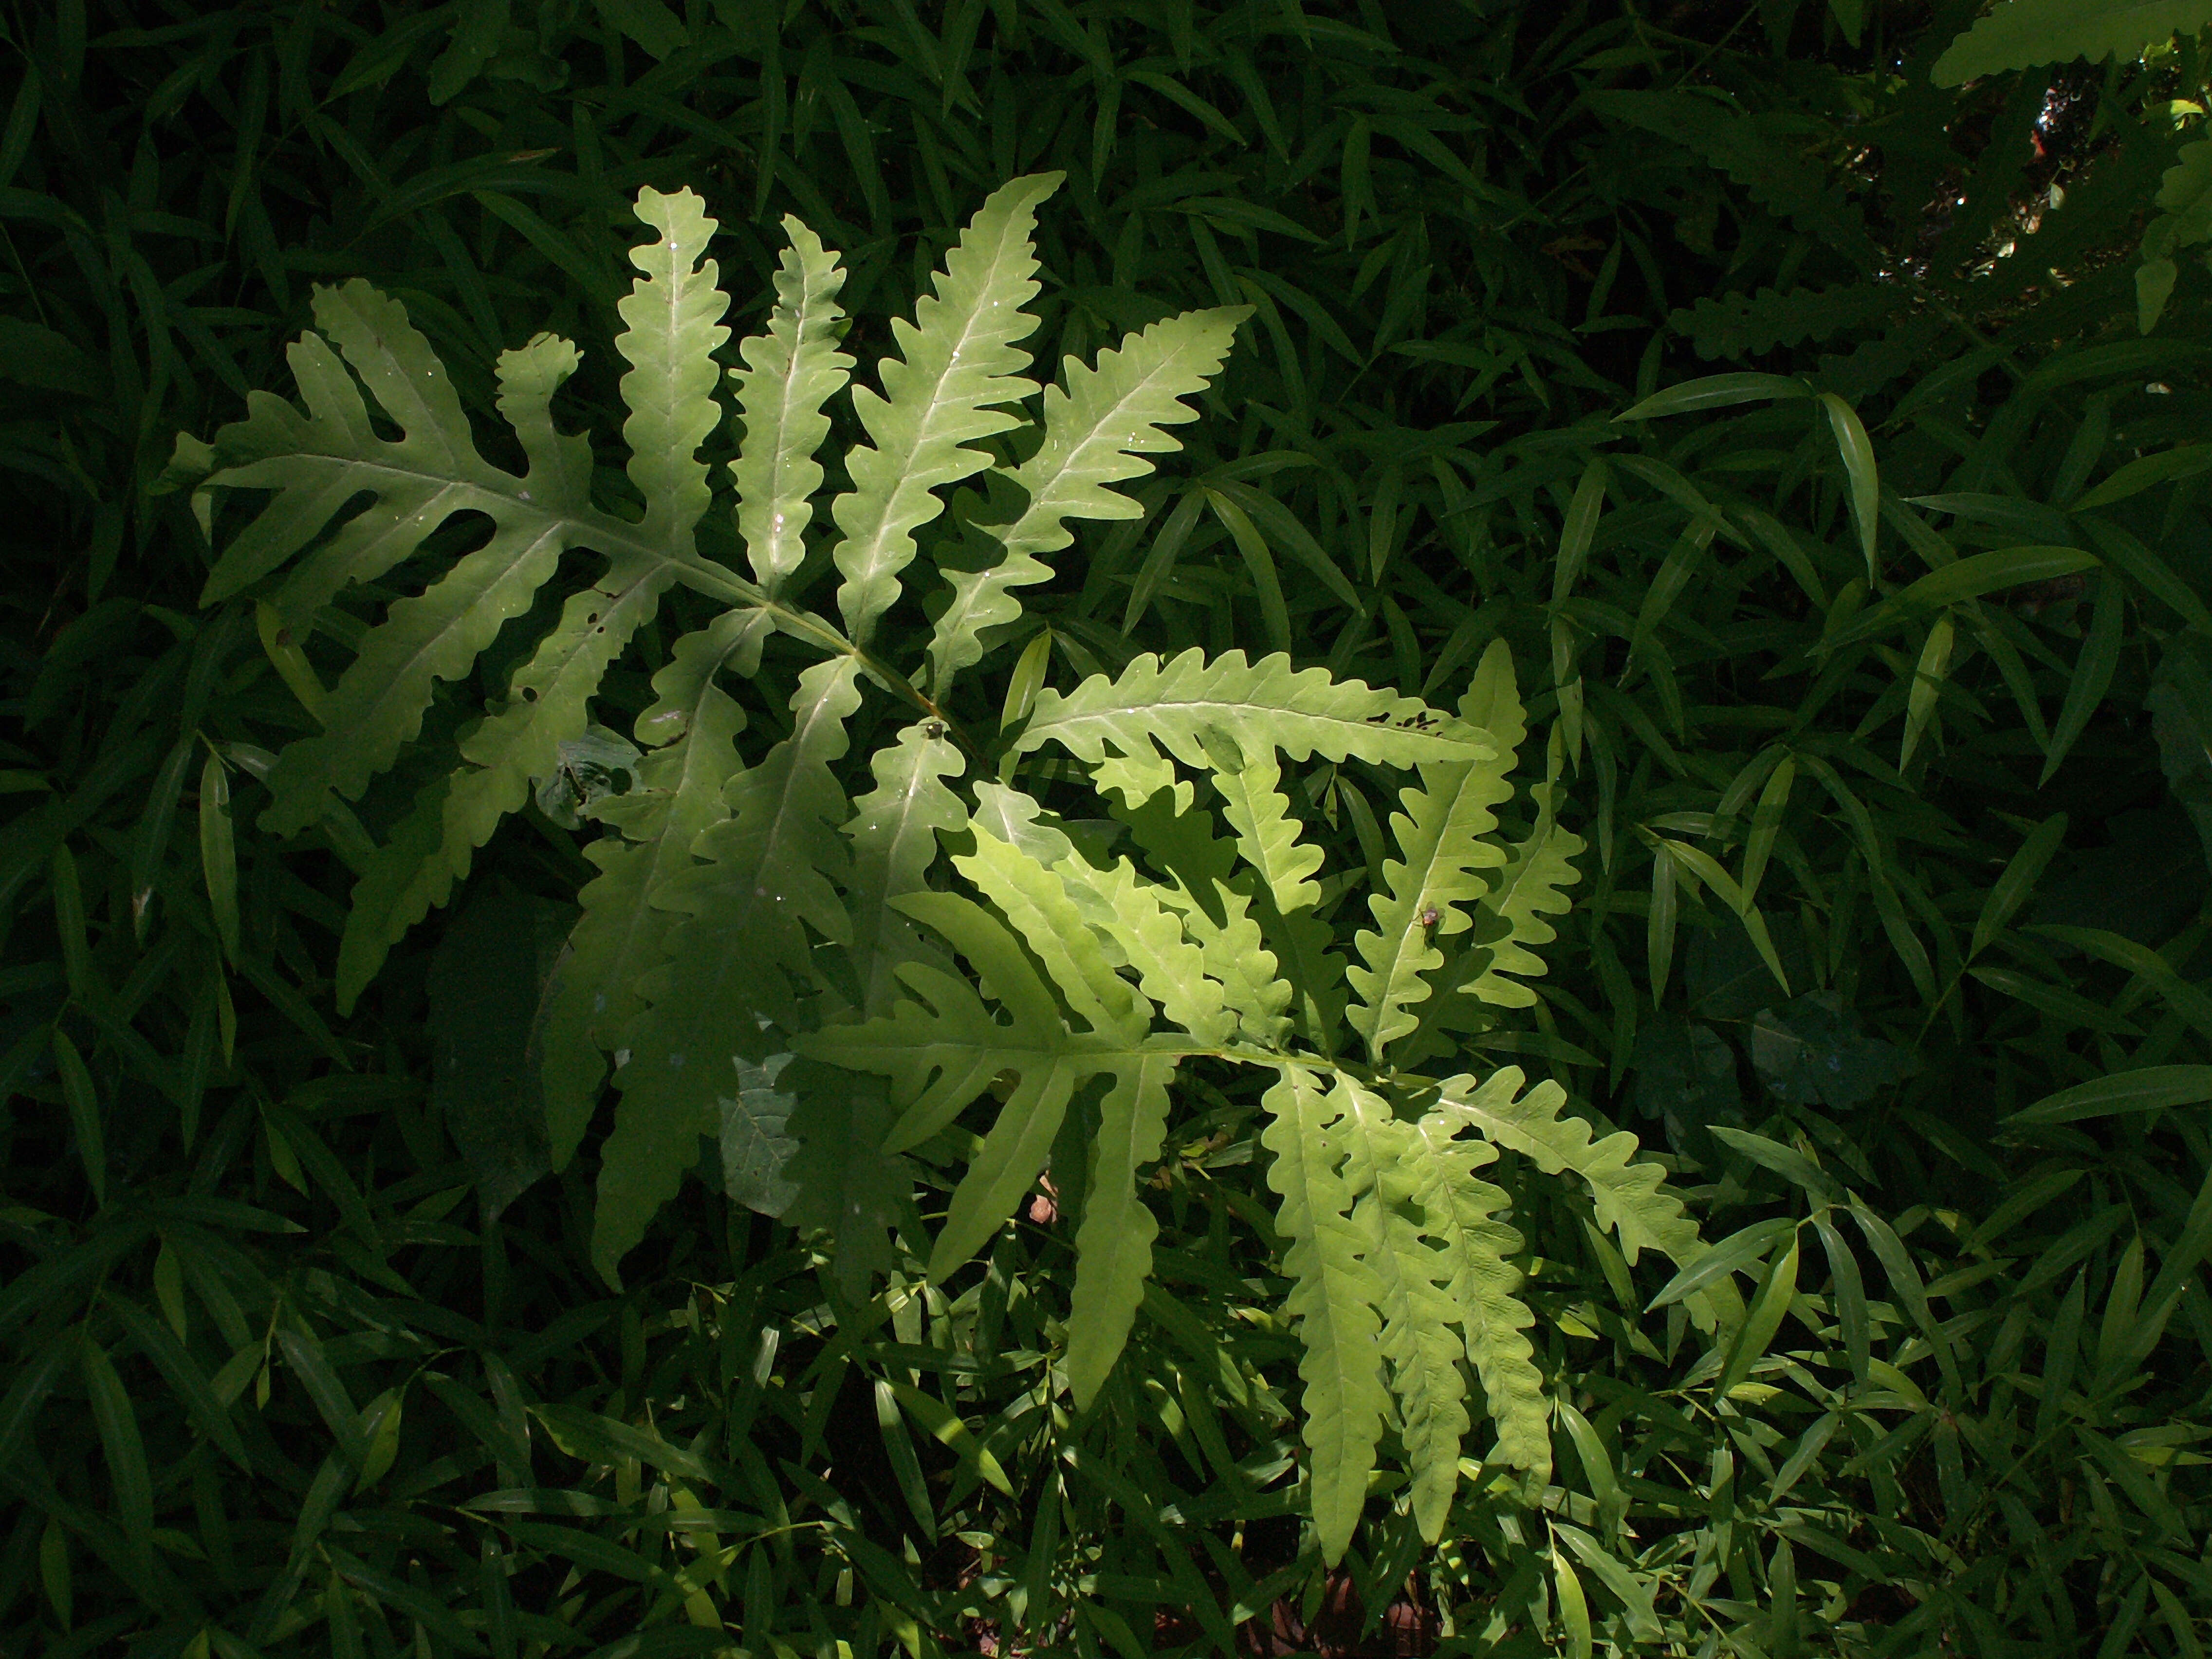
x=1432, y=887
x=790, y=373
x=1113, y=1245
x=422, y=478
x=1266, y=835
x=674, y=311
x=1139, y=931
x=956, y=369
x=1513, y=923
x=1175, y=706
x=1417, y=1339
x=894, y=830
x=1096, y=432
x=1629, y=1195
x=1216, y=907
x=1459, y=1212
x=1333, y=1294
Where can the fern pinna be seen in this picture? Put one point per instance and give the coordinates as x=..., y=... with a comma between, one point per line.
x=828, y=969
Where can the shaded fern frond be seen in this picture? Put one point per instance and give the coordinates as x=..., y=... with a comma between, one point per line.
x=736, y=962
x=594, y=1001
x=2022, y=34
x=1750, y=324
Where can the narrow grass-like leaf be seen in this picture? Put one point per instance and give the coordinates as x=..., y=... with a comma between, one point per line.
x=2092, y=675
x=125, y=1449
x=84, y=1113
x=2012, y=888
x=2148, y=1089
x=1859, y=469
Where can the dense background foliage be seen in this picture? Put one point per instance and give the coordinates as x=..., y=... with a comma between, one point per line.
x=304, y=1353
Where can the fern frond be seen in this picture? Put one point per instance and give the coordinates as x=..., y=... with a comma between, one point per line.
x=772, y=865
x=2022, y=34
x=381, y=890
x=942, y=1051
x=894, y=831
x=790, y=373
x=674, y=311
x=1141, y=932
x=1298, y=941
x=1532, y=887
x=1095, y=430
x=1283, y=894
x=1747, y=325
x=1628, y=1196
x=1266, y=835
x=593, y=1000
x=1334, y=1295
x=1440, y=834
x=2185, y=195
x=845, y=1184
x=374, y=331
x=1178, y=706
x=1459, y=1212
x=419, y=480
x=1018, y=819
x=1113, y=1245
x=1416, y=1339
x=1036, y=901
x=770, y=959
x=1773, y=176
x=511, y=750
x=1424, y=1354
x=1491, y=703
x=957, y=370
x=941, y=1056
x=1216, y=912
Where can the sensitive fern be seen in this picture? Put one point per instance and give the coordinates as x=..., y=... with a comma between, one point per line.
x=840, y=968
